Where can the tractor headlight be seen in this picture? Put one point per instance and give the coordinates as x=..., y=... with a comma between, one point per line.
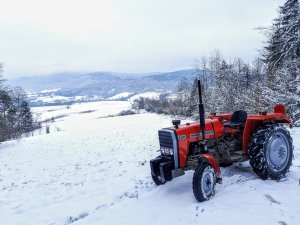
x=166, y=151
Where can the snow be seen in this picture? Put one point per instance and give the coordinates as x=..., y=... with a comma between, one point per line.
x=87, y=98
x=52, y=99
x=63, y=99
x=172, y=96
x=49, y=96
x=92, y=169
x=104, y=108
x=30, y=93
x=120, y=96
x=151, y=95
x=47, y=91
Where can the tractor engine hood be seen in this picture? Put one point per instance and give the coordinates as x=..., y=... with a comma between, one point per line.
x=192, y=131
x=178, y=138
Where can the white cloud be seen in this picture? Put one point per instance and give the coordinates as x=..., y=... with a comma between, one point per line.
x=45, y=36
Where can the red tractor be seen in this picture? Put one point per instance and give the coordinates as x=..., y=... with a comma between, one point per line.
x=222, y=140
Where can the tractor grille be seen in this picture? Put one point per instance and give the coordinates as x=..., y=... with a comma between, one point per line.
x=165, y=139
x=168, y=146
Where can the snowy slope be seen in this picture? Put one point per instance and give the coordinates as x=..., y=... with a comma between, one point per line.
x=122, y=95
x=95, y=170
x=49, y=90
x=101, y=109
x=151, y=95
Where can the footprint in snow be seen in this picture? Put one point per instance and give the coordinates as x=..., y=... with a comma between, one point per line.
x=271, y=199
x=198, y=211
x=72, y=219
x=143, y=185
x=103, y=206
x=142, y=163
x=228, y=181
x=129, y=195
x=282, y=223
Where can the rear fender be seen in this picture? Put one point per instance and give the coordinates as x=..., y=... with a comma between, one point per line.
x=279, y=116
x=212, y=161
x=280, y=109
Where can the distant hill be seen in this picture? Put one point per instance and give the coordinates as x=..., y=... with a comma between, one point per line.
x=104, y=84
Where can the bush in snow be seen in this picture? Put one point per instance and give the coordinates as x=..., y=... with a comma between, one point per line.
x=126, y=112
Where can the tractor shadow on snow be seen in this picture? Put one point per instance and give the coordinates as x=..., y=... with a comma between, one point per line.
x=178, y=186
x=243, y=169
x=235, y=174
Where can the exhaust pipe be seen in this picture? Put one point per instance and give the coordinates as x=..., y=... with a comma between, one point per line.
x=202, y=118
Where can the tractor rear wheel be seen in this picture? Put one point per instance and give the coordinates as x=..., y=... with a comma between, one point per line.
x=271, y=152
x=204, y=182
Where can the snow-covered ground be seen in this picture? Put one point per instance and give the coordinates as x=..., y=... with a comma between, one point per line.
x=101, y=109
x=151, y=95
x=50, y=96
x=94, y=170
x=120, y=96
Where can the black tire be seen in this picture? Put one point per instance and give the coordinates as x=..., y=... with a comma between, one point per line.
x=157, y=180
x=204, y=173
x=271, y=152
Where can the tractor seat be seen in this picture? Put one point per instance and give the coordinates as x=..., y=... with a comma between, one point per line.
x=238, y=119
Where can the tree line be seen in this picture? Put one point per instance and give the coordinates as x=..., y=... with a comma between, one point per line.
x=15, y=115
x=229, y=85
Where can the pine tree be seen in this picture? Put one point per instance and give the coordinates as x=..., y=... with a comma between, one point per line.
x=26, y=117
x=15, y=115
x=5, y=103
x=12, y=130
x=283, y=45
x=282, y=56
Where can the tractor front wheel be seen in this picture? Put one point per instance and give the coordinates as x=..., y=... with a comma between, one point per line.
x=204, y=182
x=271, y=152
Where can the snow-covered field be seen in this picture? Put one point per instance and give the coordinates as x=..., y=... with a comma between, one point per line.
x=120, y=96
x=151, y=95
x=94, y=170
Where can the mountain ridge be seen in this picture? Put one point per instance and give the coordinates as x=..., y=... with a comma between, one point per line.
x=104, y=85
x=99, y=80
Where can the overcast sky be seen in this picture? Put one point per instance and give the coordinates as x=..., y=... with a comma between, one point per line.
x=46, y=36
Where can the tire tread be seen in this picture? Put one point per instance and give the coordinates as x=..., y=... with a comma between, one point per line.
x=256, y=152
x=197, y=180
